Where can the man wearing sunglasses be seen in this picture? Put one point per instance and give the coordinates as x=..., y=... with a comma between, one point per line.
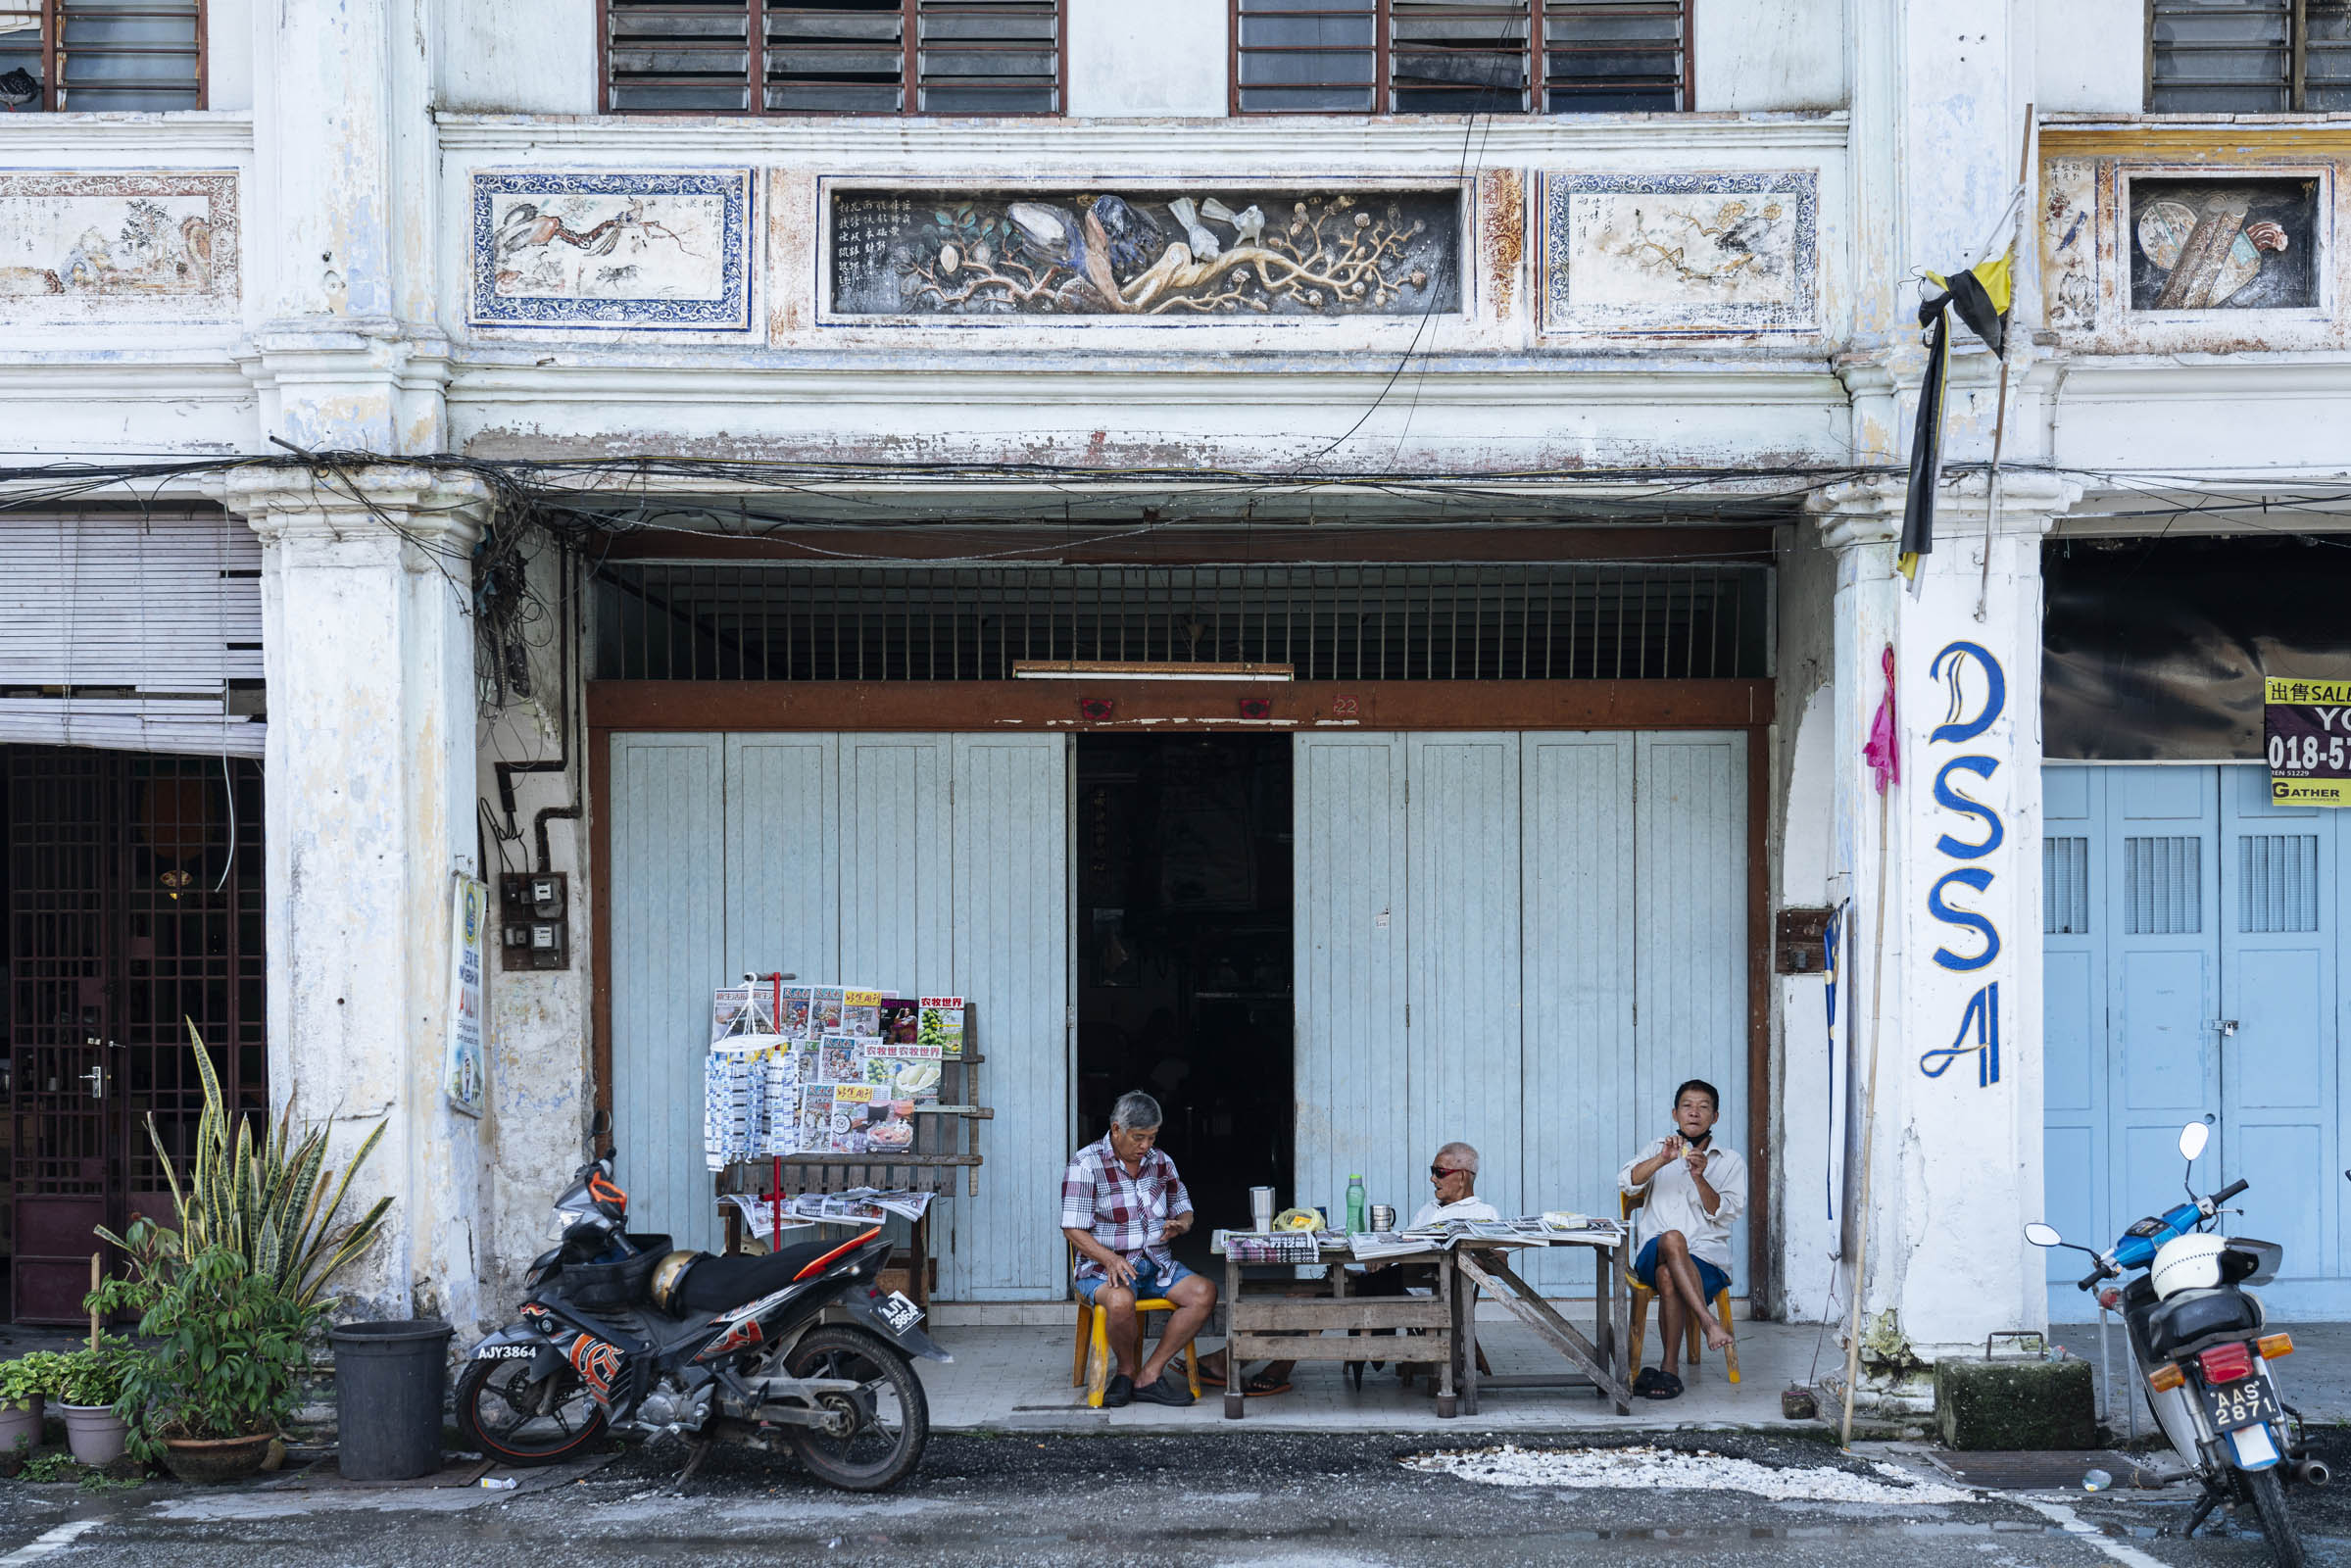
x=1453, y=1173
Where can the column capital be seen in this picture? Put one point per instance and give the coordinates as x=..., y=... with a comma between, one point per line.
x=397, y=511
x=1868, y=511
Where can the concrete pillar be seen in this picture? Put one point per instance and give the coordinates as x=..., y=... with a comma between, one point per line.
x=347, y=355
x=369, y=656
x=1956, y=1165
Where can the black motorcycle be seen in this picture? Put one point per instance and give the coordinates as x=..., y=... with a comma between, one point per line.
x=619, y=1331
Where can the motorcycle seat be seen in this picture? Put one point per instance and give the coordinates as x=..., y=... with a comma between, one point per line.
x=2193, y=1315
x=724, y=1281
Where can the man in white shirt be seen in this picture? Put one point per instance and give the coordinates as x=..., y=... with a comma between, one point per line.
x=1695, y=1188
x=1453, y=1173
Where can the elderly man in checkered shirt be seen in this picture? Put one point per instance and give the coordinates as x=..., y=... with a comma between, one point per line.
x=1121, y=1203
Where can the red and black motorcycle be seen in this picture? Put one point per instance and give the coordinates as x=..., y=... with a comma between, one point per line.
x=798, y=1347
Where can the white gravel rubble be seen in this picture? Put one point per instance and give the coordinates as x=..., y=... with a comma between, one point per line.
x=1651, y=1469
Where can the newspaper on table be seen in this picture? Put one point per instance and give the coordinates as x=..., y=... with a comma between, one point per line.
x=1272, y=1247
x=1565, y=1224
x=1371, y=1246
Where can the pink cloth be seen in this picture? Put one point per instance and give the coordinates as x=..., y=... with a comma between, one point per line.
x=1883, y=753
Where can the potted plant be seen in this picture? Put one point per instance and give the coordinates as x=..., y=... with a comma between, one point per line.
x=25, y=1382
x=89, y=1387
x=229, y=1295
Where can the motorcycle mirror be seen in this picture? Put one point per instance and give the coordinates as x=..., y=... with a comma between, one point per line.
x=2041, y=1234
x=2192, y=1139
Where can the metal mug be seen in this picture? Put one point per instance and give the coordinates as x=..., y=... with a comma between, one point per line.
x=1261, y=1207
x=1383, y=1217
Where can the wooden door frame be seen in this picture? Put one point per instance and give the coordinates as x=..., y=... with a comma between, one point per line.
x=1213, y=708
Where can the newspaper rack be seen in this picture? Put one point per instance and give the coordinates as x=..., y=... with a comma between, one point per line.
x=946, y=1141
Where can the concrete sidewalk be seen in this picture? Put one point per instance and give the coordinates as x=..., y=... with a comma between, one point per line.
x=1017, y=1379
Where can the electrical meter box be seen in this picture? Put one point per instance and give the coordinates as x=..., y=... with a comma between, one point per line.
x=534, y=920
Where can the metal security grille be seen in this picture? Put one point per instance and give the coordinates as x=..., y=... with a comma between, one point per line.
x=833, y=57
x=2248, y=56
x=104, y=54
x=1459, y=55
x=133, y=893
x=748, y=621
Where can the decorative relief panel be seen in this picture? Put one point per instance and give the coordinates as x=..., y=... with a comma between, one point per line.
x=2070, y=243
x=154, y=245
x=2223, y=244
x=660, y=251
x=1145, y=252
x=1674, y=255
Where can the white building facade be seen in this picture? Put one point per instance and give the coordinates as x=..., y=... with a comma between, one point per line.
x=624, y=482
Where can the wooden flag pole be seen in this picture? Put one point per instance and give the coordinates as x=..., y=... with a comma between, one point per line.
x=1869, y=1133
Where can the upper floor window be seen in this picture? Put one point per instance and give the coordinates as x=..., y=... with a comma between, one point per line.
x=833, y=57
x=2248, y=57
x=1457, y=57
x=101, y=54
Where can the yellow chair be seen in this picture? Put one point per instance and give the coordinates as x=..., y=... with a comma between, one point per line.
x=1090, y=1357
x=1625, y=1203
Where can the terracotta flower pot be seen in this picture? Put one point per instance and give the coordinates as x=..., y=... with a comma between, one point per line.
x=209, y=1459
x=95, y=1432
x=21, y=1423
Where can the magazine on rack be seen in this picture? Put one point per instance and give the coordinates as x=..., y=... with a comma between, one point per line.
x=855, y=1110
x=904, y=1072
x=842, y=1061
x=796, y=1011
x=861, y=1013
x=825, y=1012
x=942, y=1025
x=741, y=1010
x=901, y=1017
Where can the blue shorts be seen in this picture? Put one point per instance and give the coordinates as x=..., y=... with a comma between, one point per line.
x=1713, y=1280
x=1147, y=1282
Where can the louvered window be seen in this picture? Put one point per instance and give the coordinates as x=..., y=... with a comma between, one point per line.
x=2278, y=882
x=2064, y=886
x=2163, y=886
x=101, y=54
x=1453, y=57
x=833, y=57
x=2248, y=56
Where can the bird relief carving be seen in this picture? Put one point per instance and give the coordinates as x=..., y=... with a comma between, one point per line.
x=1180, y=255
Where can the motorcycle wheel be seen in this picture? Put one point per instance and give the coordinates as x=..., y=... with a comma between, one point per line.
x=894, y=1419
x=2269, y=1502
x=500, y=1412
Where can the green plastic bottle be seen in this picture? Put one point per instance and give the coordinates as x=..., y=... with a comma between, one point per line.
x=1354, y=1205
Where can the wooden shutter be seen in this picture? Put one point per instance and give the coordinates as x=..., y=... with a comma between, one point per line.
x=93, y=55
x=2221, y=55
x=1615, y=55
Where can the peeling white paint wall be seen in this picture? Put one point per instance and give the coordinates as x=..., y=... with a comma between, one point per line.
x=1165, y=58
x=1769, y=54
x=2090, y=56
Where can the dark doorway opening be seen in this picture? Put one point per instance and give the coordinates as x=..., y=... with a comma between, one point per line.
x=134, y=895
x=1183, y=956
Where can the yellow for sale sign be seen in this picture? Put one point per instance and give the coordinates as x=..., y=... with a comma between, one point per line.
x=2307, y=725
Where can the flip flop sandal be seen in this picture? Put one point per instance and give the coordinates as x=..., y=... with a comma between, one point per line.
x=1263, y=1384
x=1645, y=1380
x=1666, y=1387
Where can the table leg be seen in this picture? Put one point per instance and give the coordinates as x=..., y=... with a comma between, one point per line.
x=1448, y=1405
x=1233, y=1400
x=1603, y=1320
x=1620, y=1297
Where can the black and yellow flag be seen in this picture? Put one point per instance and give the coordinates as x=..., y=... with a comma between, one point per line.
x=1981, y=296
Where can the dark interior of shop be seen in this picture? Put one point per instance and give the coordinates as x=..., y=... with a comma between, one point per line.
x=1183, y=956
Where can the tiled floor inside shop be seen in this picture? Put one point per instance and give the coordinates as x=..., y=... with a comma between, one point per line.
x=1015, y=1378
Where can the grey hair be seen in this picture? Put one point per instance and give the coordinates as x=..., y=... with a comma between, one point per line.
x=1136, y=1111
x=1463, y=1156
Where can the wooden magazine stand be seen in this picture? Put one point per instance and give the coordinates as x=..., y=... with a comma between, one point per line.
x=946, y=1141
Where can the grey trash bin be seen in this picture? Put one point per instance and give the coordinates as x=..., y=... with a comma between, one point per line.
x=389, y=1382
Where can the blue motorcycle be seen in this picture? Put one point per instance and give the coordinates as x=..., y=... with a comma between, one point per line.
x=2204, y=1361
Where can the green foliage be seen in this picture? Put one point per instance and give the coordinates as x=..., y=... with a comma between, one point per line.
x=32, y=1374
x=50, y=1464
x=266, y=1199
x=96, y=1377
x=229, y=1295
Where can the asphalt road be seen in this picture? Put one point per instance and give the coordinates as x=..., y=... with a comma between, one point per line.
x=1253, y=1498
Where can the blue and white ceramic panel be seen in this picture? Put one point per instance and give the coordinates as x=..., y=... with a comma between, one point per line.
x=649, y=251
x=1647, y=255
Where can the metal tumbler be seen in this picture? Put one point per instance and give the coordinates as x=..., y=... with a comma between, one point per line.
x=1260, y=1207
x=1383, y=1217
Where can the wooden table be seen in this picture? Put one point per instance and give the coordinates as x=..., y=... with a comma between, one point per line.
x=1276, y=1325
x=1601, y=1359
